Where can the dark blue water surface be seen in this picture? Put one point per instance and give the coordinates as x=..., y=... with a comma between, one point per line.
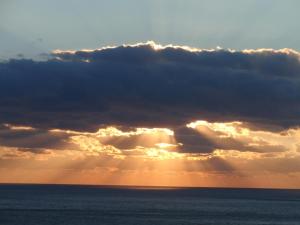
x=89, y=205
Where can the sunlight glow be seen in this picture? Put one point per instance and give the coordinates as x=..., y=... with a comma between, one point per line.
x=93, y=145
x=151, y=156
x=232, y=129
x=161, y=154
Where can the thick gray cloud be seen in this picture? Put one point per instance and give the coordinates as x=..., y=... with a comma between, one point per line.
x=142, y=86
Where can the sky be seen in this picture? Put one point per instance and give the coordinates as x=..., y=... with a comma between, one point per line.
x=151, y=93
x=33, y=27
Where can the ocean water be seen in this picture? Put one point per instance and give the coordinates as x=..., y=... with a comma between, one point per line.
x=91, y=205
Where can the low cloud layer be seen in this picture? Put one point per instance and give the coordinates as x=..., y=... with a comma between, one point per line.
x=147, y=85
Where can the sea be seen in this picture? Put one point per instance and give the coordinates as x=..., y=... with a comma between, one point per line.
x=114, y=205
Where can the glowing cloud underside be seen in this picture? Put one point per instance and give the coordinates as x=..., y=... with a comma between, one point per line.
x=155, y=154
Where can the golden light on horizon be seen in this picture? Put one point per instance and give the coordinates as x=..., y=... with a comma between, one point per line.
x=153, y=156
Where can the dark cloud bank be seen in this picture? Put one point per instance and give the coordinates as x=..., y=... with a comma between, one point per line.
x=140, y=86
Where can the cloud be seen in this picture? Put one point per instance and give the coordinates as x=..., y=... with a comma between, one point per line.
x=205, y=137
x=31, y=139
x=148, y=85
x=152, y=108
